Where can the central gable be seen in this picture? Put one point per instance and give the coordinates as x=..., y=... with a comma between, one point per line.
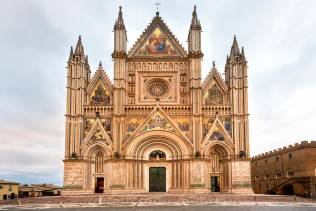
x=157, y=41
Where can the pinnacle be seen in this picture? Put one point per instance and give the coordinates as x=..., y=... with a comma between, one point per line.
x=195, y=23
x=71, y=52
x=243, y=53
x=119, y=23
x=234, y=49
x=79, y=47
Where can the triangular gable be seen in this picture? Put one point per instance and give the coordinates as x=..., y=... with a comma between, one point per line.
x=214, y=76
x=157, y=40
x=97, y=133
x=100, y=76
x=158, y=120
x=217, y=127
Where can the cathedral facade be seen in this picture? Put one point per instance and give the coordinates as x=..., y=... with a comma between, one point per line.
x=157, y=127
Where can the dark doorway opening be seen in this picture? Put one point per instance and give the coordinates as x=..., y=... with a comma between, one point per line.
x=5, y=197
x=157, y=179
x=288, y=190
x=12, y=196
x=99, y=185
x=215, y=184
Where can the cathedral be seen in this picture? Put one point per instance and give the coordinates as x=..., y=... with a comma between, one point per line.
x=157, y=126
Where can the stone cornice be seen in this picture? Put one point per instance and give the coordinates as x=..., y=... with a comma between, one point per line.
x=195, y=55
x=119, y=55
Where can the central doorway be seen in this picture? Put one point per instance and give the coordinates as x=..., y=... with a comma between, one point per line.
x=157, y=179
x=215, y=184
x=99, y=185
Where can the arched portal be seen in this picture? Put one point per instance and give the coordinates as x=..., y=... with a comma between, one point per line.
x=219, y=155
x=157, y=154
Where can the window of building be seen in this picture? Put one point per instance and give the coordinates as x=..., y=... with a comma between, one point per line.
x=1, y=187
x=266, y=161
x=267, y=185
x=290, y=156
x=10, y=187
x=267, y=177
x=290, y=174
x=99, y=162
x=277, y=159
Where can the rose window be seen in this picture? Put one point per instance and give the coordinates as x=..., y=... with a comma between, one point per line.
x=157, y=88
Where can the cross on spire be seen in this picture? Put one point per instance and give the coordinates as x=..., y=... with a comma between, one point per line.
x=157, y=7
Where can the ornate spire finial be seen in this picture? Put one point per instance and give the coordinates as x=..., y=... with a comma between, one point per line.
x=213, y=63
x=234, y=49
x=79, y=47
x=119, y=23
x=195, y=23
x=100, y=65
x=157, y=8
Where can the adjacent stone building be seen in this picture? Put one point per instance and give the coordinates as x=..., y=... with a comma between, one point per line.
x=288, y=170
x=8, y=190
x=158, y=127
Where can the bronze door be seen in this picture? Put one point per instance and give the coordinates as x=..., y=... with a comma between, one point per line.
x=157, y=179
x=99, y=185
x=215, y=184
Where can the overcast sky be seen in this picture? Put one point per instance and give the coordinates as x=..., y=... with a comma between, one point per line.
x=35, y=38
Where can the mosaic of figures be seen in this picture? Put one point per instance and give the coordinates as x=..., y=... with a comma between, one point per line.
x=157, y=44
x=132, y=125
x=183, y=125
x=100, y=96
x=106, y=123
x=152, y=66
x=208, y=122
x=214, y=96
x=158, y=122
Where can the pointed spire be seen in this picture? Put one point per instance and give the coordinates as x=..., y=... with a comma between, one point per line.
x=79, y=47
x=87, y=60
x=119, y=23
x=100, y=64
x=195, y=23
x=243, y=53
x=71, y=53
x=213, y=64
x=234, y=49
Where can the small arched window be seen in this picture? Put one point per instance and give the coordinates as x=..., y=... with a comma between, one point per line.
x=157, y=155
x=99, y=162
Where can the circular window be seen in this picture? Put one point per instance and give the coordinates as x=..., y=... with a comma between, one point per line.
x=157, y=88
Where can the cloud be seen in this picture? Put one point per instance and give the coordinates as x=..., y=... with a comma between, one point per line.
x=36, y=35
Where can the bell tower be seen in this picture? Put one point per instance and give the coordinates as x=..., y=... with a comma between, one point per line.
x=236, y=77
x=78, y=76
